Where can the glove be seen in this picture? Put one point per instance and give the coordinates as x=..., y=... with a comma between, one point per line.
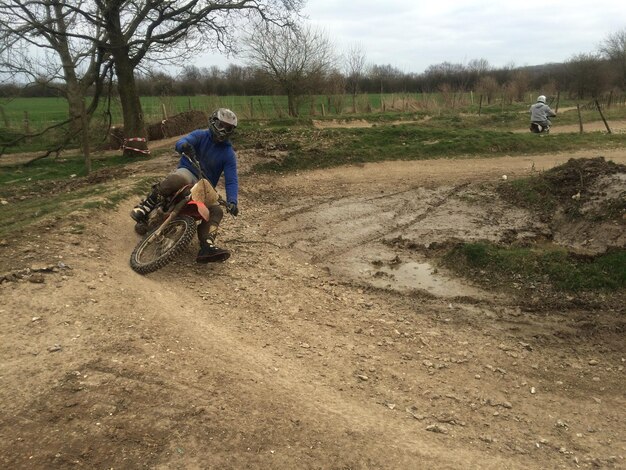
x=232, y=208
x=188, y=150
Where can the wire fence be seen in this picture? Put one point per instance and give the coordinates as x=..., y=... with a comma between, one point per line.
x=28, y=115
x=34, y=114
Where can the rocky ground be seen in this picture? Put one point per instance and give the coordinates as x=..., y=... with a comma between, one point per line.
x=324, y=342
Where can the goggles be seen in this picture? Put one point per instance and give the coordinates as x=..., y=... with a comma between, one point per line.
x=224, y=127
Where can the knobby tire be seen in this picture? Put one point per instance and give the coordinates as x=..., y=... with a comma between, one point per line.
x=186, y=229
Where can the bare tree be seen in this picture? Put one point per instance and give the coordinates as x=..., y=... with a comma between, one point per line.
x=295, y=59
x=386, y=77
x=334, y=85
x=476, y=69
x=159, y=30
x=173, y=30
x=518, y=85
x=354, y=71
x=38, y=46
x=614, y=49
x=488, y=87
x=479, y=66
x=589, y=75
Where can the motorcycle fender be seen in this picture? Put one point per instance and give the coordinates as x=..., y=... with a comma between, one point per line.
x=196, y=209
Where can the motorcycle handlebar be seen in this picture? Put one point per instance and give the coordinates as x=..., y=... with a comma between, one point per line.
x=194, y=161
x=222, y=202
x=196, y=164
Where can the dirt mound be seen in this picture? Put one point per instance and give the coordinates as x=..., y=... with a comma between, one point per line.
x=579, y=175
x=583, y=201
x=177, y=125
x=174, y=126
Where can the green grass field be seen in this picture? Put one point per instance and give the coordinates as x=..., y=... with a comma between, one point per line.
x=43, y=112
x=38, y=113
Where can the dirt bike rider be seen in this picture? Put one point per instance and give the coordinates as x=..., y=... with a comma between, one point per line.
x=216, y=155
x=539, y=114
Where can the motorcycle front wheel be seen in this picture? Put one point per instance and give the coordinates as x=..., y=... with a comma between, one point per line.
x=155, y=251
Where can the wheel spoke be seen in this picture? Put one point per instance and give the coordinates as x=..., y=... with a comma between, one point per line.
x=164, y=242
x=156, y=250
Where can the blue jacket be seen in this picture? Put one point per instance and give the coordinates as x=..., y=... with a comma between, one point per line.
x=215, y=158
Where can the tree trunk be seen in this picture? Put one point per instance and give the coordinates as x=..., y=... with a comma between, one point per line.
x=135, y=142
x=134, y=126
x=75, y=104
x=291, y=105
x=84, y=120
x=79, y=126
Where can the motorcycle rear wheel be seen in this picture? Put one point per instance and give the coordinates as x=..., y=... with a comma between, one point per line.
x=154, y=252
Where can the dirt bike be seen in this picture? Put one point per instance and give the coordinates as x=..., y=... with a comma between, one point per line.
x=171, y=225
x=537, y=128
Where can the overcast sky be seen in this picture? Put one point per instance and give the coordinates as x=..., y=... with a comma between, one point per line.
x=413, y=34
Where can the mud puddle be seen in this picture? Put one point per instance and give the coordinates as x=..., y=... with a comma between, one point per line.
x=380, y=267
x=384, y=241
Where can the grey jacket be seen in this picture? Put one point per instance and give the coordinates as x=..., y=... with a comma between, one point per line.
x=540, y=112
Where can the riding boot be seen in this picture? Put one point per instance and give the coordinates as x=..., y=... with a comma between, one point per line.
x=141, y=211
x=209, y=253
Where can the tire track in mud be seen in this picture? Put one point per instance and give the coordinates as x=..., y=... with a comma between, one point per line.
x=316, y=207
x=350, y=247
x=431, y=207
x=279, y=387
x=268, y=362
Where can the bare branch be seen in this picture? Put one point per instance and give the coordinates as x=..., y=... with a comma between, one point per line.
x=296, y=59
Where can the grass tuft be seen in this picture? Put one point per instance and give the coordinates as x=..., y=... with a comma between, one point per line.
x=487, y=263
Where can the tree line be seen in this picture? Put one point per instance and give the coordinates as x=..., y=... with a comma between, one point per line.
x=584, y=76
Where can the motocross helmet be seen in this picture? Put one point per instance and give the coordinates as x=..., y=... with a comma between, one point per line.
x=541, y=99
x=222, y=124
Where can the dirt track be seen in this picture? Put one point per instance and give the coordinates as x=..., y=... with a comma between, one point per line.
x=289, y=356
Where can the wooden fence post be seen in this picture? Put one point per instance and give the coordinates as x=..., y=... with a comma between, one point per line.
x=164, y=111
x=608, y=129
x=261, y=107
x=4, y=117
x=480, y=104
x=558, y=96
x=580, y=119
